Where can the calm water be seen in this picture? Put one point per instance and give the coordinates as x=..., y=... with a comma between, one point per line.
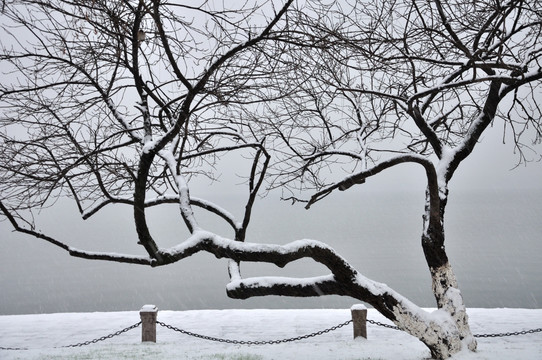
x=493, y=240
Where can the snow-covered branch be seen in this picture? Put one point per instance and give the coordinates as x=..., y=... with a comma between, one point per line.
x=280, y=255
x=285, y=286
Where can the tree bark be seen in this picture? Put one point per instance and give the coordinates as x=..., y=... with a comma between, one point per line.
x=444, y=285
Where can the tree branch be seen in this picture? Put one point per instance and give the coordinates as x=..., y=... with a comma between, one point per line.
x=121, y=258
x=360, y=177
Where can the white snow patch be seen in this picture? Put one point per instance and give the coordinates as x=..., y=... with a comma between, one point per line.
x=358, y=307
x=443, y=165
x=149, y=144
x=44, y=332
x=270, y=281
x=149, y=308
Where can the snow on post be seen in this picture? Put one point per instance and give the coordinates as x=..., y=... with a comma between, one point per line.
x=359, y=319
x=148, y=314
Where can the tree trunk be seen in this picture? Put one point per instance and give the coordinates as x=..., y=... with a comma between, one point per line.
x=445, y=287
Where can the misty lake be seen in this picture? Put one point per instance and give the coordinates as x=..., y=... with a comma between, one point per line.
x=493, y=241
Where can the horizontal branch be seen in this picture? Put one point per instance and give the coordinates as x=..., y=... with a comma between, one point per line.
x=168, y=199
x=221, y=149
x=285, y=286
x=349, y=154
x=375, y=93
x=453, y=85
x=280, y=255
x=343, y=280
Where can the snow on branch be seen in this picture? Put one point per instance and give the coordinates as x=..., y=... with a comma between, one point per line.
x=312, y=158
x=280, y=255
x=343, y=280
x=125, y=123
x=274, y=285
x=168, y=199
x=201, y=203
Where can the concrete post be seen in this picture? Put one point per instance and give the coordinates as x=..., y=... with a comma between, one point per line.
x=148, y=314
x=359, y=319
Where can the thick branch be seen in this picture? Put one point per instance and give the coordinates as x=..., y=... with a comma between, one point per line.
x=275, y=254
x=477, y=128
x=427, y=130
x=284, y=286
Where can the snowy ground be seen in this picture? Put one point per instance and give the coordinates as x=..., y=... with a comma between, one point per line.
x=41, y=334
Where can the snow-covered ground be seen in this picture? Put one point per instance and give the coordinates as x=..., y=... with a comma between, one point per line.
x=43, y=334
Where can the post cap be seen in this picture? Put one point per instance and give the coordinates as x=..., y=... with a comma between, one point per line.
x=149, y=308
x=358, y=307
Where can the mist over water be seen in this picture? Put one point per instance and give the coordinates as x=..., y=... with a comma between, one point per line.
x=493, y=241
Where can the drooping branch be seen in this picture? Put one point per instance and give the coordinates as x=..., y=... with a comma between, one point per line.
x=344, y=280
x=361, y=176
x=115, y=257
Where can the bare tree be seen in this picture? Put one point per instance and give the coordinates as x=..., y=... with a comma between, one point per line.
x=126, y=102
x=107, y=102
x=379, y=84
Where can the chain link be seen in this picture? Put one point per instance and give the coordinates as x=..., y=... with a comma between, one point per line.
x=86, y=342
x=103, y=337
x=249, y=342
x=383, y=325
x=11, y=348
x=524, y=332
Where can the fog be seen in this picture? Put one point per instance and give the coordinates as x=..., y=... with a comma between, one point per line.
x=493, y=232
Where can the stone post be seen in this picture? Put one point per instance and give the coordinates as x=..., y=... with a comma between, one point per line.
x=148, y=314
x=359, y=319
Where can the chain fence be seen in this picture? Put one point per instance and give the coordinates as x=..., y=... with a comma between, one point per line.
x=524, y=332
x=103, y=337
x=262, y=342
x=249, y=342
x=94, y=341
x=383, y=325
x=516, y=333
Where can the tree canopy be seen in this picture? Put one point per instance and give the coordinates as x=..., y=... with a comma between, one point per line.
x=130, y=102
